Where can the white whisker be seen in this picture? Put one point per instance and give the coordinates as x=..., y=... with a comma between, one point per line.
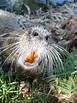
x=10, y=56
x=61, y=49
x=50, y=62
x=4, y=35
x=8, y=47
x=57, y=58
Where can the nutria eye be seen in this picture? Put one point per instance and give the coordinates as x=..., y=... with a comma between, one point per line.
x=35, y=34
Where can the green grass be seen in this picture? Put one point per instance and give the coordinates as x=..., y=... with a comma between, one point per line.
x=64, y=82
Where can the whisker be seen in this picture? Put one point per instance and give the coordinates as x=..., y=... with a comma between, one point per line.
x=56, y=58
x=12, y=44
x=7, y=38
x=3, y=34
x=50, y=63
x=61, y=49
x=14, y=55
x=55, y=62
x=10, y=56
x=8, y=47
x=43, y=66
x=13, y=48
x=10, y=34
x=45, y=59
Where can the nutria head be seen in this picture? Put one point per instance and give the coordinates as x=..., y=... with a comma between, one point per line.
x=35, y=41
x=32, y=49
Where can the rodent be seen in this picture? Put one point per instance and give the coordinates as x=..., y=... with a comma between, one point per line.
x=19, y=46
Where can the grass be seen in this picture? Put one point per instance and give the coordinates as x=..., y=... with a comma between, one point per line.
x=64, y=82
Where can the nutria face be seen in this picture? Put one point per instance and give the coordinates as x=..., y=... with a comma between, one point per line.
x=32, y=49
x=36, y=39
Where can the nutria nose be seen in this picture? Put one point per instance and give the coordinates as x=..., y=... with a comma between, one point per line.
x=48, y=38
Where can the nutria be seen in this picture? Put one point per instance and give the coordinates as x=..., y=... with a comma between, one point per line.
x=17, y=45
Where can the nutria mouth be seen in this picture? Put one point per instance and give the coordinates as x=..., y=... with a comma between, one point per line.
x=32, y=60
x=28, y=65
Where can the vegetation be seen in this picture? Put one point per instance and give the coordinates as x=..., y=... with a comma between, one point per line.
x=63, y=83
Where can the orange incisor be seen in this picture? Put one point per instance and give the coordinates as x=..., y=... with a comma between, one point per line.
x=31, y=57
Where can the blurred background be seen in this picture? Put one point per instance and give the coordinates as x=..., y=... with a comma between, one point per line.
x=10, y=5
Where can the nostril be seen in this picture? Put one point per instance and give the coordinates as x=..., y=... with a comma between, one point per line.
x=47, y=37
